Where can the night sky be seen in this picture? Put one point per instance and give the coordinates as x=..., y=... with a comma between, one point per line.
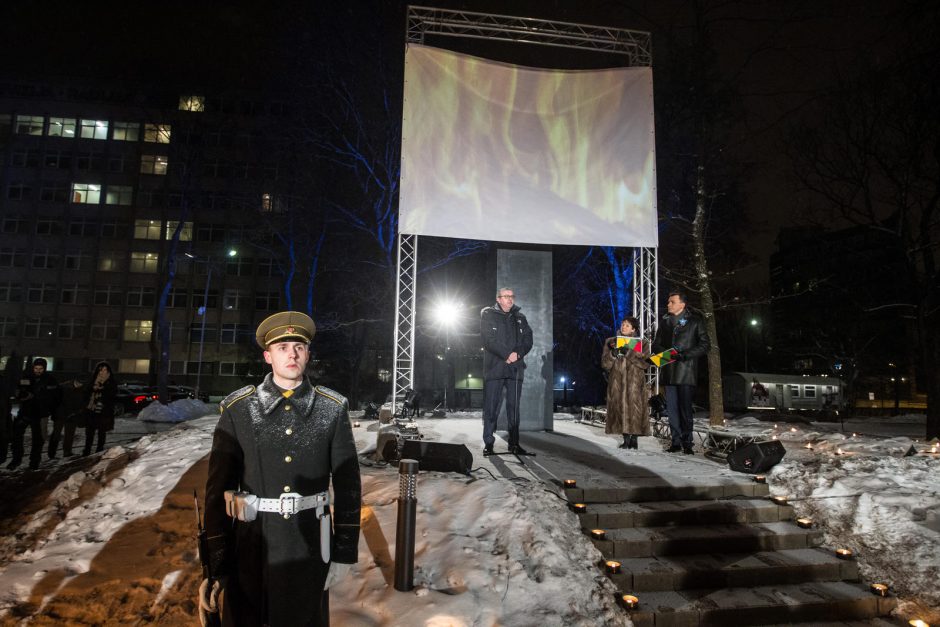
x=780, y=57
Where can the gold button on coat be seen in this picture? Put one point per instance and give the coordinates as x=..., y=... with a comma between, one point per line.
x=288, y=459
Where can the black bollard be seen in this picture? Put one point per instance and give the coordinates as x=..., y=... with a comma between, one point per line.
x=405, y=533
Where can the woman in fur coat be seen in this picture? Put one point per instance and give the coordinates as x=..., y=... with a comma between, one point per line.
x=627, y=392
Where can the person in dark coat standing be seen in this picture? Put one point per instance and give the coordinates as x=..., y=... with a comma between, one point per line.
x=8, y=383
x=39, y=397
x=99, y=406
x=685, y=331
x=275, y=451
x=627, y=392
x=68, y=415
x=507, y=339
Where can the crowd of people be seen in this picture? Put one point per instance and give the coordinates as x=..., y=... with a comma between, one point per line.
x=43, y=403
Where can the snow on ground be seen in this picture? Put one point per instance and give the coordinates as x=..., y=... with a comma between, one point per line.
x=117, y=547
x=177, y=411
x=866, y=495
x=113, y=542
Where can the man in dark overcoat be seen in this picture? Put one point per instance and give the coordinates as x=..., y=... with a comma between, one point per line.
x=274, y=453
x=507, y=339
x=39, y=396
x=685, y=331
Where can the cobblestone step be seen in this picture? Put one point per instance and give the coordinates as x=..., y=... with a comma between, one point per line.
x=657, y=489
x=646, y=574
x=814, y=602
x=719, y=538
x=663, y=513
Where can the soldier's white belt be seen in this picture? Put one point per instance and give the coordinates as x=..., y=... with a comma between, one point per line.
x=245, y=507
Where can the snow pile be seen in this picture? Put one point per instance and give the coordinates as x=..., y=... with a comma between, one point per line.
x=877, y=506
x=487, y=553
x=177, y=411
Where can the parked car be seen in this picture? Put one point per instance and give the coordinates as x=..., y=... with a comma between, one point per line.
x=132, y=397
x=184, y=391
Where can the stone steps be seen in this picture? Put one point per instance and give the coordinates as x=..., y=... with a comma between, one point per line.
x=644, y=574
x=721, y=555
x=683, y=512
x=762, y=605
x=719, y=538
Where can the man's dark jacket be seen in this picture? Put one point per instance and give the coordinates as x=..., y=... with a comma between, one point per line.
x=685, y=332
x=266, y=444
x=504, y=332
x=42, y=396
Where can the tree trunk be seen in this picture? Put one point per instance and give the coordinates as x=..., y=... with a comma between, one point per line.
x=716, y=408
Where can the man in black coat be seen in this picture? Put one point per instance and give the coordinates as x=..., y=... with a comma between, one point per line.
x=275, y=451
x=507, y=338
x=39, y=396
x=685, y=331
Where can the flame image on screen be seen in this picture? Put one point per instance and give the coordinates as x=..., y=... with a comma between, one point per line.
x=500, y=152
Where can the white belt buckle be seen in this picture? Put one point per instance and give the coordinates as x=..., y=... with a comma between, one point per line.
x=288, y=503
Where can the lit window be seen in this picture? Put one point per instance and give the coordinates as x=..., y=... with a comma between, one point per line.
x=147, y=229
x=138, y=330
x=94, y=129
x=134, y=366
x=119, y=195
x=86, y=193
x=126, y=131
x=110, y=262
x=153, y=164
x=144, y=262
x=266, y=203
x=62, y=127
x=29, y=124
x=186, y=232
x=193, y=103
x=157, y=133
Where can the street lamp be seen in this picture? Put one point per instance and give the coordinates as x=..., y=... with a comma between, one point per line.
x=753, y=323
x=204, y=311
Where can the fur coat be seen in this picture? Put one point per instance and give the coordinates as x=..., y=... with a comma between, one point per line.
x=627, y=393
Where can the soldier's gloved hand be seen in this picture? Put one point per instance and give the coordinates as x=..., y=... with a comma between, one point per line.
x=337, y=573
x=210, y=592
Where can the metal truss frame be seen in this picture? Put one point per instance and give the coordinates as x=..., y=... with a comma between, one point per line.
x=635, y=46
x=403, y=371
x=645, y=303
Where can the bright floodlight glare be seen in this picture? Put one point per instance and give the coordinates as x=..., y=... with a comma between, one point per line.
x=753, y=322
x=232, y=252
x=562, y=379
x=445, y=312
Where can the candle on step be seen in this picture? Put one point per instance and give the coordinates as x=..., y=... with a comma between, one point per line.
x=571, y=483
x=630, y=602
x=598, y=534
x=879, y=588
x=613, y=567
x=760, y=478
x=579, y=508
x=804, y=523
x=844, y=554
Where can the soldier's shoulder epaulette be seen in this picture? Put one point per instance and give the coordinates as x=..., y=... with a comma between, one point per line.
x=236, y=396
x=333, y=395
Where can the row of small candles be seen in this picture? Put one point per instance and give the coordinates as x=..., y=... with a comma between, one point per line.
x=631, y=601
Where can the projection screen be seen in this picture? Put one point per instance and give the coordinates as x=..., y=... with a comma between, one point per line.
x=498, y=152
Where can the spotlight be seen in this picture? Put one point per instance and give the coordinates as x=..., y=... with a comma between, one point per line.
x=446, y=313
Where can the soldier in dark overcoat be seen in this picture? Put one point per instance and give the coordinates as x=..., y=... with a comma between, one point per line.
x=284, y=437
